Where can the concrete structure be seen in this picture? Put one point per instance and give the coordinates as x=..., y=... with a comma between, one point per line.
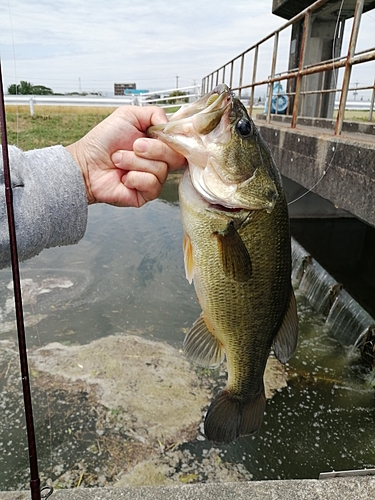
x=289, y=8
x=361, y=488
x=338, y=168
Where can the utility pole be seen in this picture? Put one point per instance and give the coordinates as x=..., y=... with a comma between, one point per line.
x=177, y=82
x=355, y=93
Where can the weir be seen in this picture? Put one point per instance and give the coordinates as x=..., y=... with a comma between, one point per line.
x=345, y=319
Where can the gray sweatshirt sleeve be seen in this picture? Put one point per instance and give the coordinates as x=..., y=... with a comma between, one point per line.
x=49, y=200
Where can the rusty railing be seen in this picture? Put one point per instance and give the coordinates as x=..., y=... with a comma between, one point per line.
x=227, y=73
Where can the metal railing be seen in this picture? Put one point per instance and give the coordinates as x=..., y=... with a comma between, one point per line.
x=162, y=98
x=66, y=100
x=166, y=101
x=235, y=68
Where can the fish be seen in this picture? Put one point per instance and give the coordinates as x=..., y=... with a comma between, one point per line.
x=237, y=252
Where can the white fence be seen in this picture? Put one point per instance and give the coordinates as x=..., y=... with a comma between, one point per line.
x=160, y=98
x=57, y=100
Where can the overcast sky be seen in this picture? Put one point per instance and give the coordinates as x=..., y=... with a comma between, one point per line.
x=72, y=45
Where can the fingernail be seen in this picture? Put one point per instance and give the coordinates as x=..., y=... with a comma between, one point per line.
x=140, y=145
x=116, y=158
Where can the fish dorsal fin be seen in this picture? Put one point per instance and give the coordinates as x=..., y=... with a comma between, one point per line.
x=285, y=342
x=188, y=258
x=235, y=258
x=201, y=347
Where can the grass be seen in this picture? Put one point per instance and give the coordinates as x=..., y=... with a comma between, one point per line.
x=51, y=125
x=356, y=115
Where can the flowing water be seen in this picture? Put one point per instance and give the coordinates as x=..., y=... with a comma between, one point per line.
x=127, y=275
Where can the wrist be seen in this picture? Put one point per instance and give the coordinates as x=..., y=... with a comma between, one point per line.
x=80, y=159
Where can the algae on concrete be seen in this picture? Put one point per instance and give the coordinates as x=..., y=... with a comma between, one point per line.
x=152, y=398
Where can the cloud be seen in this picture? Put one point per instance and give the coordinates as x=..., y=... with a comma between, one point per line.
x=152, y=40
x=58, y=43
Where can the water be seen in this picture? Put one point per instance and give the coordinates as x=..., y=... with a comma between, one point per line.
x=347, y=320
x=127, y=275
x=318, y=287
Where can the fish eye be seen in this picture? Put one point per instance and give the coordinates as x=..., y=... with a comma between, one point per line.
x=244, y=127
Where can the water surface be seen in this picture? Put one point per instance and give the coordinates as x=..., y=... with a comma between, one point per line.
x=127, y=275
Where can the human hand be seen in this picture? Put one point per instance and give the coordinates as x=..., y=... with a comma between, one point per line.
x=120, y=166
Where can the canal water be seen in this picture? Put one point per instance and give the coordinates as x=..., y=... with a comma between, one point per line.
x=127, y=275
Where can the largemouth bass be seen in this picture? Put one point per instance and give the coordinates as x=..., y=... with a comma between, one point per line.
x=236, y=251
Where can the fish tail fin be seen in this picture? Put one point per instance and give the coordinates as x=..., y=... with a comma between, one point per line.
x=229, y=417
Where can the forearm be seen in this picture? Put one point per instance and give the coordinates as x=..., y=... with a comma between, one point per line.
x=49, y=200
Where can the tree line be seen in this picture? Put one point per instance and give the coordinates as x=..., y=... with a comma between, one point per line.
x=27, y=88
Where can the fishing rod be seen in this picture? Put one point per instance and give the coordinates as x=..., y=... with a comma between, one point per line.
x=34, y=473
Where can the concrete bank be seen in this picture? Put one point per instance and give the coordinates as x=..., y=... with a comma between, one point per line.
x=340, y=169
x=356, y=488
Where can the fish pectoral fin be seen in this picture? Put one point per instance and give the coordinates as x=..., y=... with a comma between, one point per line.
x=188, y=258
x=235, y=258
x=285, y=342
x=201, y=347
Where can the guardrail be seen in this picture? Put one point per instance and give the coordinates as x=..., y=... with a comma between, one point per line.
x=160, y=98
x=57, y=100
x=166, y=101
x=235, y=69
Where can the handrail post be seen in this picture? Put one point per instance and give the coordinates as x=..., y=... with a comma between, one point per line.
x=32, y=106
x=231, y=75
x=273, y=69
x=348, y=66
x=306, y=31
x=372, y=103
x=255, y=67
x=241, y=75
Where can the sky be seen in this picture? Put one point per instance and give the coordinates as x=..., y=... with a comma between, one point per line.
x=82, y=45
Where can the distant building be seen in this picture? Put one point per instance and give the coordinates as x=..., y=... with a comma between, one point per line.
x=120, y=88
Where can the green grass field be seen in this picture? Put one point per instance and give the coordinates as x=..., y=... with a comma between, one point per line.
x=52, y=125
x=355, y=115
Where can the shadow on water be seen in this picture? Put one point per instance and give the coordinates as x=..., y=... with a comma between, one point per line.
x=127, y=275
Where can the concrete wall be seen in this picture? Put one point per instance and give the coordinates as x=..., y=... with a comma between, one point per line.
x=347, y=488
x=345, y=164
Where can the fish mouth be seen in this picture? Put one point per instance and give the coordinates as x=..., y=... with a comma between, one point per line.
x=222, y=208
x=192, y=131
x=194, y=119
x=219, y=98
